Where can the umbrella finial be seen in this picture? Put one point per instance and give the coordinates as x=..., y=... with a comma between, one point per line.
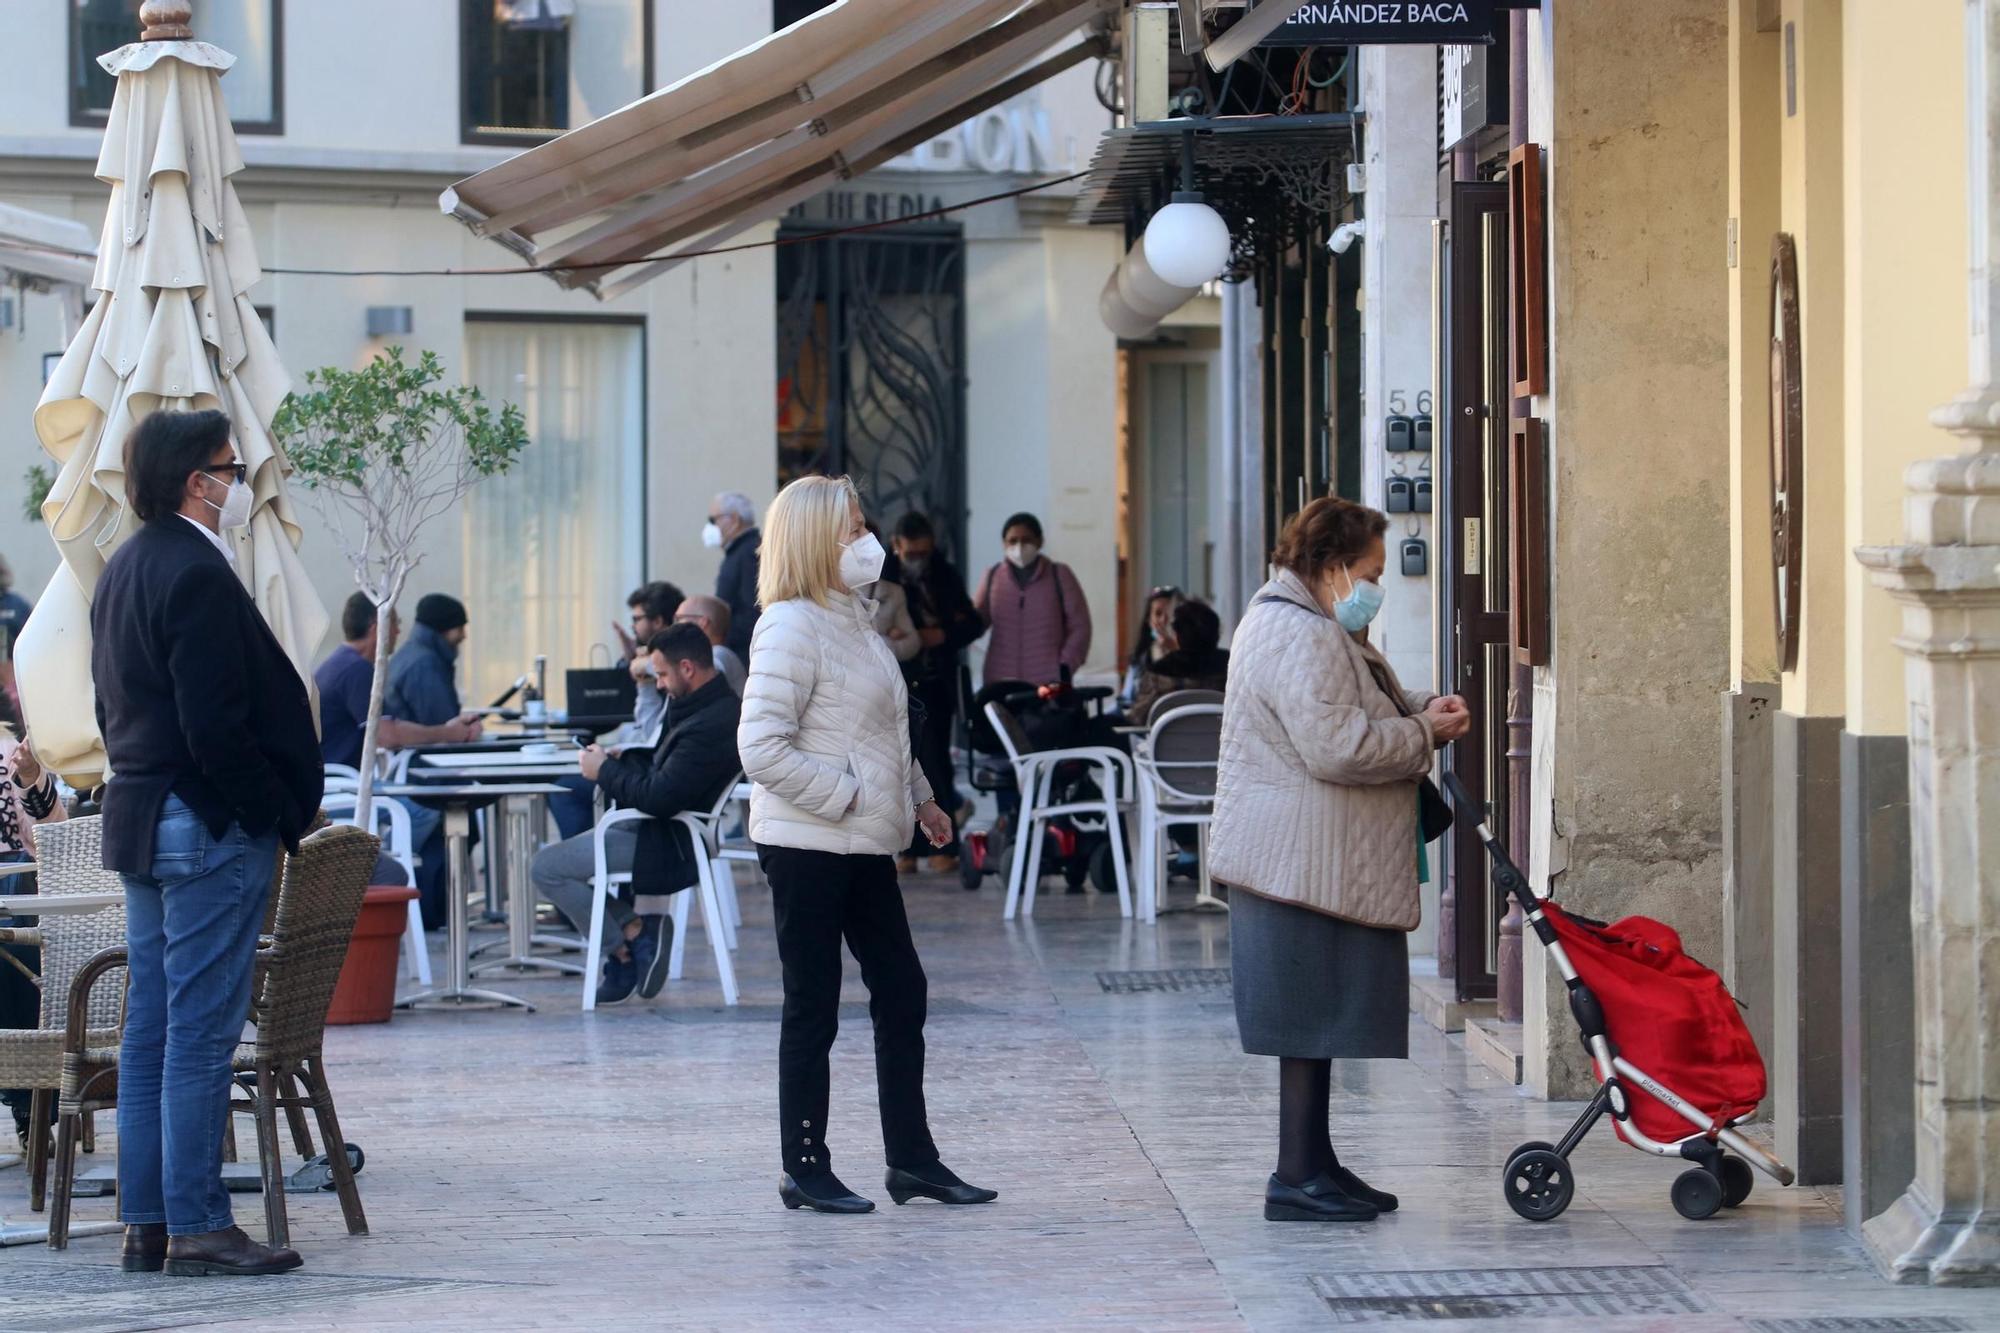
x=166, y=21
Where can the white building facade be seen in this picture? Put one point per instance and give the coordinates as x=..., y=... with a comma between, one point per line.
x=715, y=376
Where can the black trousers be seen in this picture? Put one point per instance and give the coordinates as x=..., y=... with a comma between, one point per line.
x=819, y=899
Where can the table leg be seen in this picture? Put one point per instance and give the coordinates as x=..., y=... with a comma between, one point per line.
x=514, y=813
x=459, y=993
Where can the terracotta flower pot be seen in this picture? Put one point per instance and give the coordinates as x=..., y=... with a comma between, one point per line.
x=366, y=991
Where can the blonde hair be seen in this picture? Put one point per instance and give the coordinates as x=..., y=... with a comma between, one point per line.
x=802, y=538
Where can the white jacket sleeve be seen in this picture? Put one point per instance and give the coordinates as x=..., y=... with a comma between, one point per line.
x=784, y=667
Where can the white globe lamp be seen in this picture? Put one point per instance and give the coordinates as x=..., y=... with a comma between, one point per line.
x=1187, y=242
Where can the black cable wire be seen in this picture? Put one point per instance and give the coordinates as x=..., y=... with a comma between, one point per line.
x=610, y=265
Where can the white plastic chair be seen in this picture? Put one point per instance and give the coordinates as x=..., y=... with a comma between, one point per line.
x=392, y=825
x=703, y=830
x=1034, y=775
x=1176, y=788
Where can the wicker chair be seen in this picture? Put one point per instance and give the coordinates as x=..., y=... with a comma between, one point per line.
x=319, y=896
x=69, y=858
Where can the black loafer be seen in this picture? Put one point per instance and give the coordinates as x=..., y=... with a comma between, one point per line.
x=1356, y=1188
x=145, y=1248
x=1318, y=1200
x=904, y=1186
x=822, y=1194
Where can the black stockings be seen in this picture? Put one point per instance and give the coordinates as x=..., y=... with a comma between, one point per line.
x=1304, y=1147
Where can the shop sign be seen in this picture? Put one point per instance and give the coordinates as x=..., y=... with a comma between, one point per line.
x=1472, y=92
x=1383, y=23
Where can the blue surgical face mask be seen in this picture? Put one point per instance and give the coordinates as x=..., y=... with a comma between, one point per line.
x=1354, y=611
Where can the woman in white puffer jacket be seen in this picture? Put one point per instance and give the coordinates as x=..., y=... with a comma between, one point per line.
x=825, y=741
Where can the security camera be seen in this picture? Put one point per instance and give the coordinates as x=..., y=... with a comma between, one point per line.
x=1345, y=235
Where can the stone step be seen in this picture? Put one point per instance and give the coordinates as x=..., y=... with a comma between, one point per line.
x=1436, y=1000
x=1497, y=1043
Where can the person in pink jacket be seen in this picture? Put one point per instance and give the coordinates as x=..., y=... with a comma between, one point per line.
x=1036, y=610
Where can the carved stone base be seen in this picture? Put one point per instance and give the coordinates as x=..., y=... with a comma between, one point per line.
x=1914, y=1248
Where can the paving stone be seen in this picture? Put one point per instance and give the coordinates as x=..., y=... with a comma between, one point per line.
x=619, y=1169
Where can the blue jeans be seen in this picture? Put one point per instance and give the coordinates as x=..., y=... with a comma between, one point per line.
x=575, y=811
x=191, y=927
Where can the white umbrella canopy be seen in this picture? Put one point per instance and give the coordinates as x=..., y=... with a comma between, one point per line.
x=173, y=328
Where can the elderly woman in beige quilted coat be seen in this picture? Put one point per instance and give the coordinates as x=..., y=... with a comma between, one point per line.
x=825, y=742
x=1316, y=835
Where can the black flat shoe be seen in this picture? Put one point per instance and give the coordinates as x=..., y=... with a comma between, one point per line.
x=1356, y=1188
x=904, y=1186
x=1318, y=1200
x=822, y=1194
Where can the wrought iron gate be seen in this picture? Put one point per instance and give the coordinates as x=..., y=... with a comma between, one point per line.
x=871, y=369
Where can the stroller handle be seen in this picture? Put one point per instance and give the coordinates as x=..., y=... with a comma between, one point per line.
x=1507, y=877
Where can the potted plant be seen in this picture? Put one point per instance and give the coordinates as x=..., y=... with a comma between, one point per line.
x=379, y=453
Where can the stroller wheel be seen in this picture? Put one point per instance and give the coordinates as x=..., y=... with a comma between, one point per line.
x=1539, y=1184
x=1697, y=1194
x=1737, y=1181
x=1532, y=1145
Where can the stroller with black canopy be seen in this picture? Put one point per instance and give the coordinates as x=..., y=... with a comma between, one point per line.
x=1038, y=719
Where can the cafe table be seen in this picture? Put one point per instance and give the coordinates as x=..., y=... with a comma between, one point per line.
x=39, y=905
x=460, y=797
x=513, y=847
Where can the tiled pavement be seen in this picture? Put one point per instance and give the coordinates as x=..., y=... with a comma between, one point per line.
x=550, y=1170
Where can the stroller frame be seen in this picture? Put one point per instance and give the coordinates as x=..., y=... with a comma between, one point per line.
x=1538, y=1180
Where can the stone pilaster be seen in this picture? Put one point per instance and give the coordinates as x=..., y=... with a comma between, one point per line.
x=1946, y=1227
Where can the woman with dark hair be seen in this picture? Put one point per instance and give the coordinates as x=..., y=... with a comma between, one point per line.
x=1035, y=608
x=1197, y=662
x=1154, y=640
x=1315, y=833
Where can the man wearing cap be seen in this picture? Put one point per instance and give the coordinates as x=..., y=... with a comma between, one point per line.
x=422, y=688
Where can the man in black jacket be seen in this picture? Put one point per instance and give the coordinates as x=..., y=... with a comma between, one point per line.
x=214, y=762
x=947, y=624
x=691, y=767
x=732, y=527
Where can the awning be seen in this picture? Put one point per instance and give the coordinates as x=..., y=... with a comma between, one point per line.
x=623, y=199
x=41, y=250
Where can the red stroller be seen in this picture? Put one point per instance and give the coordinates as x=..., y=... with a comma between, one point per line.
x=1669, y=1046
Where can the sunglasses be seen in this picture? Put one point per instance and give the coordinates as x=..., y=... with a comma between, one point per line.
x=234, y=471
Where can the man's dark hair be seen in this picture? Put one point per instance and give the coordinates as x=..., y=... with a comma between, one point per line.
x=356, y=617
x=1197, y=629
x=684, y=642
x=160, y=453
x=915, y=527
x=1028, y=521
x=658, y=599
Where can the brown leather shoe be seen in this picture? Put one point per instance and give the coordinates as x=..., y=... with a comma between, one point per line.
x=145, y=1248
x=226, y=1253
x=944, y=865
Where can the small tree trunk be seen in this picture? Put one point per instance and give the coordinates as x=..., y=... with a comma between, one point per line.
x=385, y=610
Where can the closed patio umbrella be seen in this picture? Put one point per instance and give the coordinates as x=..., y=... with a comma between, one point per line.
x=172, y=327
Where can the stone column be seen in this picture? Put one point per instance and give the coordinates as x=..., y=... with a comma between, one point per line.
x=1946, y=1227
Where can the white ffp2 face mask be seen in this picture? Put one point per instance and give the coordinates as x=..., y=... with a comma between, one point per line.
x=711, y=536
x=1022, y=554
x=234, y=511
x=861, y=562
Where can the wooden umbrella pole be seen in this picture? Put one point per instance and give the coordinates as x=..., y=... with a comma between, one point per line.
x=166, y=21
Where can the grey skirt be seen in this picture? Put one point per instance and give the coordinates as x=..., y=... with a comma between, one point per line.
x=1314, y=987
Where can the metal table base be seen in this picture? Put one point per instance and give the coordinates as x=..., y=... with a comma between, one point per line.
x=458, y=992
x=511, y=843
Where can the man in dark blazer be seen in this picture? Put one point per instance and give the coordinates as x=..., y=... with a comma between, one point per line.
x=694, y=763
x=214, y=763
